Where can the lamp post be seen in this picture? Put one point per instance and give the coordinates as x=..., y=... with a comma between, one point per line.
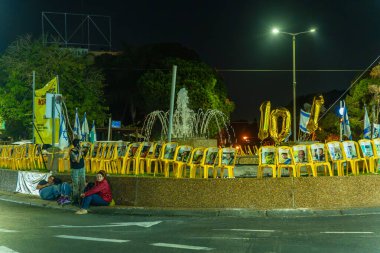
x=276, y=31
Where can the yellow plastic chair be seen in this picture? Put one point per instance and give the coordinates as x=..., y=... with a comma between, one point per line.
x=205, y=162
x=376, y=154
x=144, y=157
x=285, y=161
x=64, y=161
x=335, y=151
x=320, y=159
x=134, y=160
x=226, y=161
x=180, y=162
x=194, y=161
x=108, y=163
x=167, y=156
x=129, y=154
x=154, y=158
x=267, y=159
x=352, y=155
x=302, y=159
x=369, y=151
x=95, y=161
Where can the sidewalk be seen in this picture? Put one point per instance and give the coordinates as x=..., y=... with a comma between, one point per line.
x=225, y=212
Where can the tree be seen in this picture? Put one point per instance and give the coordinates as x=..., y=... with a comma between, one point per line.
x=206, y=90
x=79, y=81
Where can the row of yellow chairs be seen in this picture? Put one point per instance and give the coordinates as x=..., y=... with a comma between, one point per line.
x=22, y=157
x=341, y=157
x=155, y=157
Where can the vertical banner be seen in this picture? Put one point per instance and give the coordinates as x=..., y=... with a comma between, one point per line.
x=43, y=129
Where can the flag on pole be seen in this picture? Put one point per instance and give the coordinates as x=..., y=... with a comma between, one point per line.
x=85, y=131
x=63, y=137
x=346, y=122
x=367, y=125
x=93, y=133
x=376, y=131
x=304, y=119
x=77, y=131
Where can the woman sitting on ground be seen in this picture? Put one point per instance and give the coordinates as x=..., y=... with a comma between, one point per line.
x=99, y=195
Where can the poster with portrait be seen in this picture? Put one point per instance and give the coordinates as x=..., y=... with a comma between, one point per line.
x=300, y=154
x=169, y=151
x=318, y=152
x=350, y=149
x=268, y=155
x=197, y=157
x=133, y=149
x=157, y=149
x=284, y=156
x=366, y=148
x=228, y=156
x=183, y=153
x=376, y=143
x=211, y=156
x=145, y=149
x=335, y=151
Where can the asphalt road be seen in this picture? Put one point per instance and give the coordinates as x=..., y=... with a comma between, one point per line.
x=27, y=229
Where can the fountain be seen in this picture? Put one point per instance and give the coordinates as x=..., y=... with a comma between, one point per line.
x=189, y=125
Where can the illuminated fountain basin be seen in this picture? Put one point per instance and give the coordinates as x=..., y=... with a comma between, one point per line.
x=189, y=127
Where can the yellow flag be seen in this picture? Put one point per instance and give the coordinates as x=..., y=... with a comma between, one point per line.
x=43, y=129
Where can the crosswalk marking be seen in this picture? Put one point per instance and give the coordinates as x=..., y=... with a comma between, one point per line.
x=346, y=232
x=180, y=246
x=90, y=238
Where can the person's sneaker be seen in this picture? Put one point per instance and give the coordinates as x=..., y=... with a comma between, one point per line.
x=65, y=201
x=60, y=199
x=81, y=211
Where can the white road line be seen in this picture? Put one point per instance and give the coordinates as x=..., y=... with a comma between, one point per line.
x=180, y=246
x=119, y=224
x=346, y=232
x=222, y=238
x=90, y=238
x=7, y=231
x=248, y=230
x=4, y=249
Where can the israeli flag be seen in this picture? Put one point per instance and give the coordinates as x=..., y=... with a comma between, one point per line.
x=77, y=129
x=93, y=133
x=376, y=131
x=63, y=137
x=85, y=131
x=346, y=123
x=304, y=119
x=367, y=125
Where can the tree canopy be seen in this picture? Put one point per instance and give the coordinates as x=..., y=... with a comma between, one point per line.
x=80, y=83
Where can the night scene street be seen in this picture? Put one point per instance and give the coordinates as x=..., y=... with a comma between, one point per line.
x=189, y=126
x=45, y=230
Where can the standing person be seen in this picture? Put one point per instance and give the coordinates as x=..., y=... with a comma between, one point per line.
x=99, y=195
x=78, y=172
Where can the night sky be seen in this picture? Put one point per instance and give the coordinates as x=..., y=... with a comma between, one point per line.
x=235, y=35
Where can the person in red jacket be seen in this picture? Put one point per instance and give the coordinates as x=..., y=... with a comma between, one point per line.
x=99, y=195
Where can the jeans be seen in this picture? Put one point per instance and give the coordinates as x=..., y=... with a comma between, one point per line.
x=95, y=200
x=78, y=176
x=51, y=192
x=65, y=189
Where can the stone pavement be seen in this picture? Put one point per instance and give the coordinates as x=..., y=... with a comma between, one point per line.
x=227, y=212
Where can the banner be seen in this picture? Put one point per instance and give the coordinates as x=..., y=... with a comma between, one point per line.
x=367, y=125
x=77, y=128
x=93, y=133
x=63, y=136
x=43, y=127
x=346, y=123
x=85, y=131
x=27, y=182
x=304, y=119
x=376, y=131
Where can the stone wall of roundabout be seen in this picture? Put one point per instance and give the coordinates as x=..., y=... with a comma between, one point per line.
x=261, y=194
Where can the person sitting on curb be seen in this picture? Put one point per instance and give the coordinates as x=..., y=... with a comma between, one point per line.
x=99, y=195
x=54, y=189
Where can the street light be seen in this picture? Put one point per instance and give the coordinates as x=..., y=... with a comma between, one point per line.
x=276, y=31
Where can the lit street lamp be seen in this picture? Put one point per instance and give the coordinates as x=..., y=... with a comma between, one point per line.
x=276, y=31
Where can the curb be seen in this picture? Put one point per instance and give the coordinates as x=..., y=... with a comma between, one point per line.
x=24, y=199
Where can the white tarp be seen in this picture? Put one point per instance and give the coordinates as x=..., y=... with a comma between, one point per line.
x=27, y=181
